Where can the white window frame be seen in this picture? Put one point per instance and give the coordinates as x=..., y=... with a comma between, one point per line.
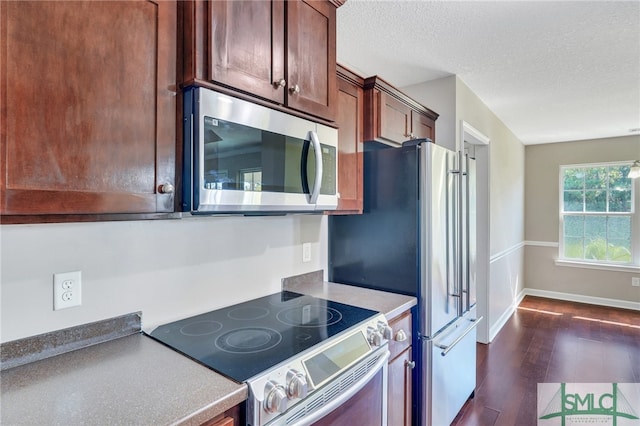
x=634, y=265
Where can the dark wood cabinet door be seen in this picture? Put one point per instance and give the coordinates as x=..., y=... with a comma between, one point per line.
x=88, y=107
x=400, y=388
x=281, y=53
x=247, y=46
x=349, y=120
x=311, y=57
x=392, y=117
x=226, y=421
x=422, y=126
x=395, y=119
x=400, y=371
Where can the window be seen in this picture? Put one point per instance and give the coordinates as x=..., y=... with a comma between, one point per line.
x=598, y=214
x=251, y=179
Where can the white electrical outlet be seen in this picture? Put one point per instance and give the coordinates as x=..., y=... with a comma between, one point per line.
x=635, y=281
x=306, y=252
x=67, y=290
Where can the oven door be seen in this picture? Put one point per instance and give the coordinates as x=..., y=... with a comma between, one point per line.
x=356, y=397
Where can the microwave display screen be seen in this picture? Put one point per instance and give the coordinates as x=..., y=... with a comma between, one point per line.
x=243, y=158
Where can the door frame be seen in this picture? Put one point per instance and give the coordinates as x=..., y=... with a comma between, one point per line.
x=472, y=136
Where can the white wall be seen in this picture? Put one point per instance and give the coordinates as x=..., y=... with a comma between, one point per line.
x=542, y=275
x=165, y=268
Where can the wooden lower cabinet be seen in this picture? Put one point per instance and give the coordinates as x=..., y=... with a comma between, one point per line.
x=225, y=421
x=399, y=403
x=231, y=417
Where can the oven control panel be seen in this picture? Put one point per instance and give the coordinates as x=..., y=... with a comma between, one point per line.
x=279, y=389
x=297, y=386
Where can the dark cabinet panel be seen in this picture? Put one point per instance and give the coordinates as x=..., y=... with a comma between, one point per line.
x=232, y=417
x=247, y=46
x=283, y=52
x=392, y=117
x=400, y=388
x=349, y=120
x=399, y=410
x=395, y=119
x=422, y=126
x=311, y=57
x=88, y=107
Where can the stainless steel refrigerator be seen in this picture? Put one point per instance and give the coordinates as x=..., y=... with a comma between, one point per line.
x=417, y=237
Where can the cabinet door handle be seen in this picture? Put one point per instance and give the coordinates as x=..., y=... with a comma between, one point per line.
x=410, y=364
x=295, y=89
x=166, y=188
x=280, y=83
x=401, y=336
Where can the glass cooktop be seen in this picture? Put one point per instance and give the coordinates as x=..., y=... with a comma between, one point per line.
x=243, y=340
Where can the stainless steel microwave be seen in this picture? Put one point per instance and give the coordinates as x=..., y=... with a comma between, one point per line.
x=240, y=157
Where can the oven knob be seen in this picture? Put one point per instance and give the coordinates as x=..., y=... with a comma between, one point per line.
x=385, y=330
x=276, y=398
x=296, y=384
x=374, y=336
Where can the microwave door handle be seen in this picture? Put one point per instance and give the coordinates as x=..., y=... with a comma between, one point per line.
x=303, y=167
x=313, y=198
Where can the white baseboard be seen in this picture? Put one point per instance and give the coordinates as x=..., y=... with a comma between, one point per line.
x=495, y=328
x=603, y=301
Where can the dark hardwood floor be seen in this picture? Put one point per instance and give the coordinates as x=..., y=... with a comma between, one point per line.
x=550, y=341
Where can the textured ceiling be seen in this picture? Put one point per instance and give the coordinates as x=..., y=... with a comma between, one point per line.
x=552, y=71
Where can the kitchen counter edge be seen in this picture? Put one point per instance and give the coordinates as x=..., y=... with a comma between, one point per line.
x=128, y=380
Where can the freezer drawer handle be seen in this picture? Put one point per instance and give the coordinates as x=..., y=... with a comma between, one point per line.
x=447, y=348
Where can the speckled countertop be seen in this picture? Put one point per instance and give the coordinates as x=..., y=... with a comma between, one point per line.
x=135, y=380
x=390, y=304
x=132, y=380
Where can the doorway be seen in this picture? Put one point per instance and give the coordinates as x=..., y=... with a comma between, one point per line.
x=477, y=145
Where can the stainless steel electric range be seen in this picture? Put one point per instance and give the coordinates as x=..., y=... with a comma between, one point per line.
x=301, y=356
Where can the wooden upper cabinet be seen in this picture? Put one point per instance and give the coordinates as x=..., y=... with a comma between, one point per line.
x=88, y=107
x=422, y=126
x=392, y=117
x=247, y=46
x=311, y=57
x=395, y=118
x=349, y=119
x=280, y=51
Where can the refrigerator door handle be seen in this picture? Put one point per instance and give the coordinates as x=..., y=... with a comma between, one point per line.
x=466, y=234
x=449, y=231
x=458, y=233
x=449, y=347
x=452, y=237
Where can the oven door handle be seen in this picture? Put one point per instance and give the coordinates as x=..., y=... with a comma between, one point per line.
x=380, y=364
